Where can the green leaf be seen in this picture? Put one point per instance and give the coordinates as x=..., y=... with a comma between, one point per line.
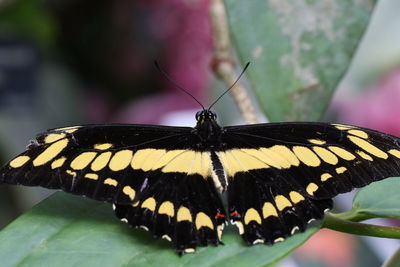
x=299, y=50
x=28, y=18
x=380, y=199
x=67, y=230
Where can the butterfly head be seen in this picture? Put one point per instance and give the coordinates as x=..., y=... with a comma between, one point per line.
x=205, y=115
x=207, y=130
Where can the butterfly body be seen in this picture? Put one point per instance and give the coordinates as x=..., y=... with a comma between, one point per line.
x=278, y=176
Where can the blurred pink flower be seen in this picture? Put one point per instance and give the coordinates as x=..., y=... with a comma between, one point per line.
x=332, y=248
x=377, y=109
x=183, y=27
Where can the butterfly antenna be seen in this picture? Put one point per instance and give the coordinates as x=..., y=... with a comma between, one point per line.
x=175, y=83
x=227, y=90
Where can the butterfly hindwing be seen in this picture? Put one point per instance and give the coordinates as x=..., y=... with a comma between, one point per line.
x=184, y=209
x=268, y=212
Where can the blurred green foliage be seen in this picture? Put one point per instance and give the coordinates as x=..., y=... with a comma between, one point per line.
x=300, y=50
x=29, y=20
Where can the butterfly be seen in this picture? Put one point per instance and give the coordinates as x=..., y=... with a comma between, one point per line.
x=279, y=177
x=168, y=180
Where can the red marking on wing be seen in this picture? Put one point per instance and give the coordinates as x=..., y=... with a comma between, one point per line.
x=219, y=215
x=234, y=214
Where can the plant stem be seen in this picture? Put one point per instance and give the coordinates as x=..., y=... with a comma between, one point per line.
x=223, y=63
x=353, y=215
x=357, y=228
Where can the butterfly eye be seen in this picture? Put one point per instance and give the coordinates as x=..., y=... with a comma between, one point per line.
x=198, y=115
x=213, y=115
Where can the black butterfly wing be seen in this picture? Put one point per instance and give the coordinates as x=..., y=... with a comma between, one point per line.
x=188, y=213
x=283, y=175
x=90, y=160
x=150, y=173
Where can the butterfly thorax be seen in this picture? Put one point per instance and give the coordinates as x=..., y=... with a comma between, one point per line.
x=208, y=131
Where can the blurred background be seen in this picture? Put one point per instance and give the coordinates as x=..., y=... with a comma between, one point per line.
x=68, y=62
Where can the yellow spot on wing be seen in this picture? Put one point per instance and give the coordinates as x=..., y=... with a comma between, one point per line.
x=181, y=162
x=252, y=215
x=71, y=130
x=19, y=161
x=167, y=237
x=317, y=141
x=149, y=203
x=151, y=159
x=243, y=160
x=395, y=153
x=325, y=176
x=343, y=127
x=341, y=170
x=167, y=158
x=92, y=176
x=129, y=191
x=239, y=226
x=344, y=154
x=282, y=202
x=364, y=155
x=203, y=220
x=246, y=160
x=70, y=172
x=220, y=228
x=358, y=133
x=185, y=161
x=58, y=163
x=230, y=164
x=306, y=156
x=139, y=157
x=262, y=158
x=111, y=181
x=120, y=160
x=326, y=155
x=54, y=137
x=269, y=210
x=101, y=161
x=368, y=147
x=189, y=250
x=279, y=239
x=311, y=188
x=258, y=241
x=201, y=164
x=103, y=146
x=295, y=197
x=68, y=129
x=167, y=208
x=50, y=152
x=82, y=160
x=275, y=159
x=183, y=214
x=286, y=154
